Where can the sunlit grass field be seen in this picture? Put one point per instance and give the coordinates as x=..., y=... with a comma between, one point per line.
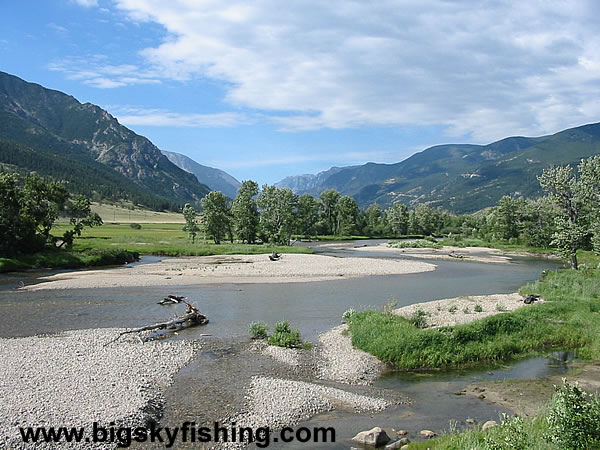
x=163, y=239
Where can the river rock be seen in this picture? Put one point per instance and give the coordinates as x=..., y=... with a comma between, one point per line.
x=402, y=433
x=397, y=444
x=489, y=424
x=375, y=437
x=427, y=433
x=470, y=421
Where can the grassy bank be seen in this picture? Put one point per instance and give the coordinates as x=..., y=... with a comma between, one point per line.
x=63, y=259
x=569, y=319
x=163, y=239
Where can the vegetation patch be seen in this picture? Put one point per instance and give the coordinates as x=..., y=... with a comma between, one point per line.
x=65, y=259
x=568, y=319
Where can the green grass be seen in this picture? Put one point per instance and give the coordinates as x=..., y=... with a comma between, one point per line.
x=501, y=245
x=569, y=319
x=163, y=239
x=419, y=243
x=68, y=259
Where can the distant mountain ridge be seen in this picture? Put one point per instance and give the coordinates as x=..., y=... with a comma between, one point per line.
x=215, y=179
x=459, y=177
x=100, y=156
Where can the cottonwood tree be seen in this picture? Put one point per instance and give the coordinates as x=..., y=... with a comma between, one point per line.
x=245, y=212
x=191, y=222
x=81, y=215
x=278, y=213
x=397, y=217
x=217, y=215
x=576, y=196
x=346, y=214
x=307, y=215
x=329, y=199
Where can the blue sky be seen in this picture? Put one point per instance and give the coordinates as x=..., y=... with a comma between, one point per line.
x=264, y=89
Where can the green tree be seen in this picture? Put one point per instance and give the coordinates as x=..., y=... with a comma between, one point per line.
x=308, y=215
x=28, y=209
x=578, y=205
x=329, y=200
x=245, y=212
x=81, y=215
x=397, y=217
x=278, y=213
x=346, y=214
x=508, y=216
x=191, y=222
x=217, y=215
x=374, y=220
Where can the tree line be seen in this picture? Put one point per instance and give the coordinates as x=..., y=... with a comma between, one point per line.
x=566, y=218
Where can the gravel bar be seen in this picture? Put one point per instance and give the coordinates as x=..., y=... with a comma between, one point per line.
x=72, y=379
x=338, y=360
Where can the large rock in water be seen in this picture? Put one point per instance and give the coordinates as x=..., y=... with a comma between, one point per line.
x=375, y=437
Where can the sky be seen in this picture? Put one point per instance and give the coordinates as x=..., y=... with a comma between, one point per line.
x=264, y=89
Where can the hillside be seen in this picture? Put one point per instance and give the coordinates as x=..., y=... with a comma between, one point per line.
x=463, y=177
x=52, y=133
x=215, y=179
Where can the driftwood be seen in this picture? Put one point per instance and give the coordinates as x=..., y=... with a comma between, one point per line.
x=275, y=256
x=531, y=298
x=171, y=299
x=192, y=317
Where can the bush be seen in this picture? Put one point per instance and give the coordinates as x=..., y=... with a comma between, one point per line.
x=389, y=307
x=282, y=327
x=288, y=339
x=258, y=330
x=419, y=318
x=510, y=434
x=347, y=316
x=135, y=226
x=574, y=418
x=478, y=308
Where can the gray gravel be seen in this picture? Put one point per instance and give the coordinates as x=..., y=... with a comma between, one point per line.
x=72, y=379
x=337, y=360
x=277, y=403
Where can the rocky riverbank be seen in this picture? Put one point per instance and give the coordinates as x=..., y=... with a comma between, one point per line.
x=73, y=379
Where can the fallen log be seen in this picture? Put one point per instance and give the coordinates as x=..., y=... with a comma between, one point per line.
x=192, y=317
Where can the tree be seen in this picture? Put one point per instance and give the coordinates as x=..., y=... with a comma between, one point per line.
x=346, y=214
x=278, y=213
x=397, y=217
x=191, y=222
x=508, y=217
x=28, y=208
x=373, y=219
x=245, y=212
x=217, y=215
x=578, y=205
x=81, y=216
x=329, y=199
x=308, y=215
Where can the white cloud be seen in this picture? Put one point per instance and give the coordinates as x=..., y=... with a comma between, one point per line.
x=95, y=72
x=488, y=69
x=161, y=118
x=86, y=3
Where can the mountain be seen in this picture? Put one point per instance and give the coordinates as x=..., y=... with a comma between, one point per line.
x=463, y=177
x=307, y=182
x=215, y=179
x=52, y=133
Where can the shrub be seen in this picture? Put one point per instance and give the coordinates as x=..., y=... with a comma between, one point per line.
x=478, y=308
x=347, y=316
x=453, y=309
x=466, y=310
x=500, y=307
x=289, y=339
x=574, y=418
x=419, y=318
x=258, y=330
x=389, y=307
x=282, y=327
x=510, y=434
x=135, y=226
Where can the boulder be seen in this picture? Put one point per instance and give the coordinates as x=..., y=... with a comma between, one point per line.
x=375, y=437
x=489, y=424
x=427, y=433
x=397, y=444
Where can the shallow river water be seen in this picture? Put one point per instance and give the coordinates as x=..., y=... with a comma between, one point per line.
x=313, y=308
